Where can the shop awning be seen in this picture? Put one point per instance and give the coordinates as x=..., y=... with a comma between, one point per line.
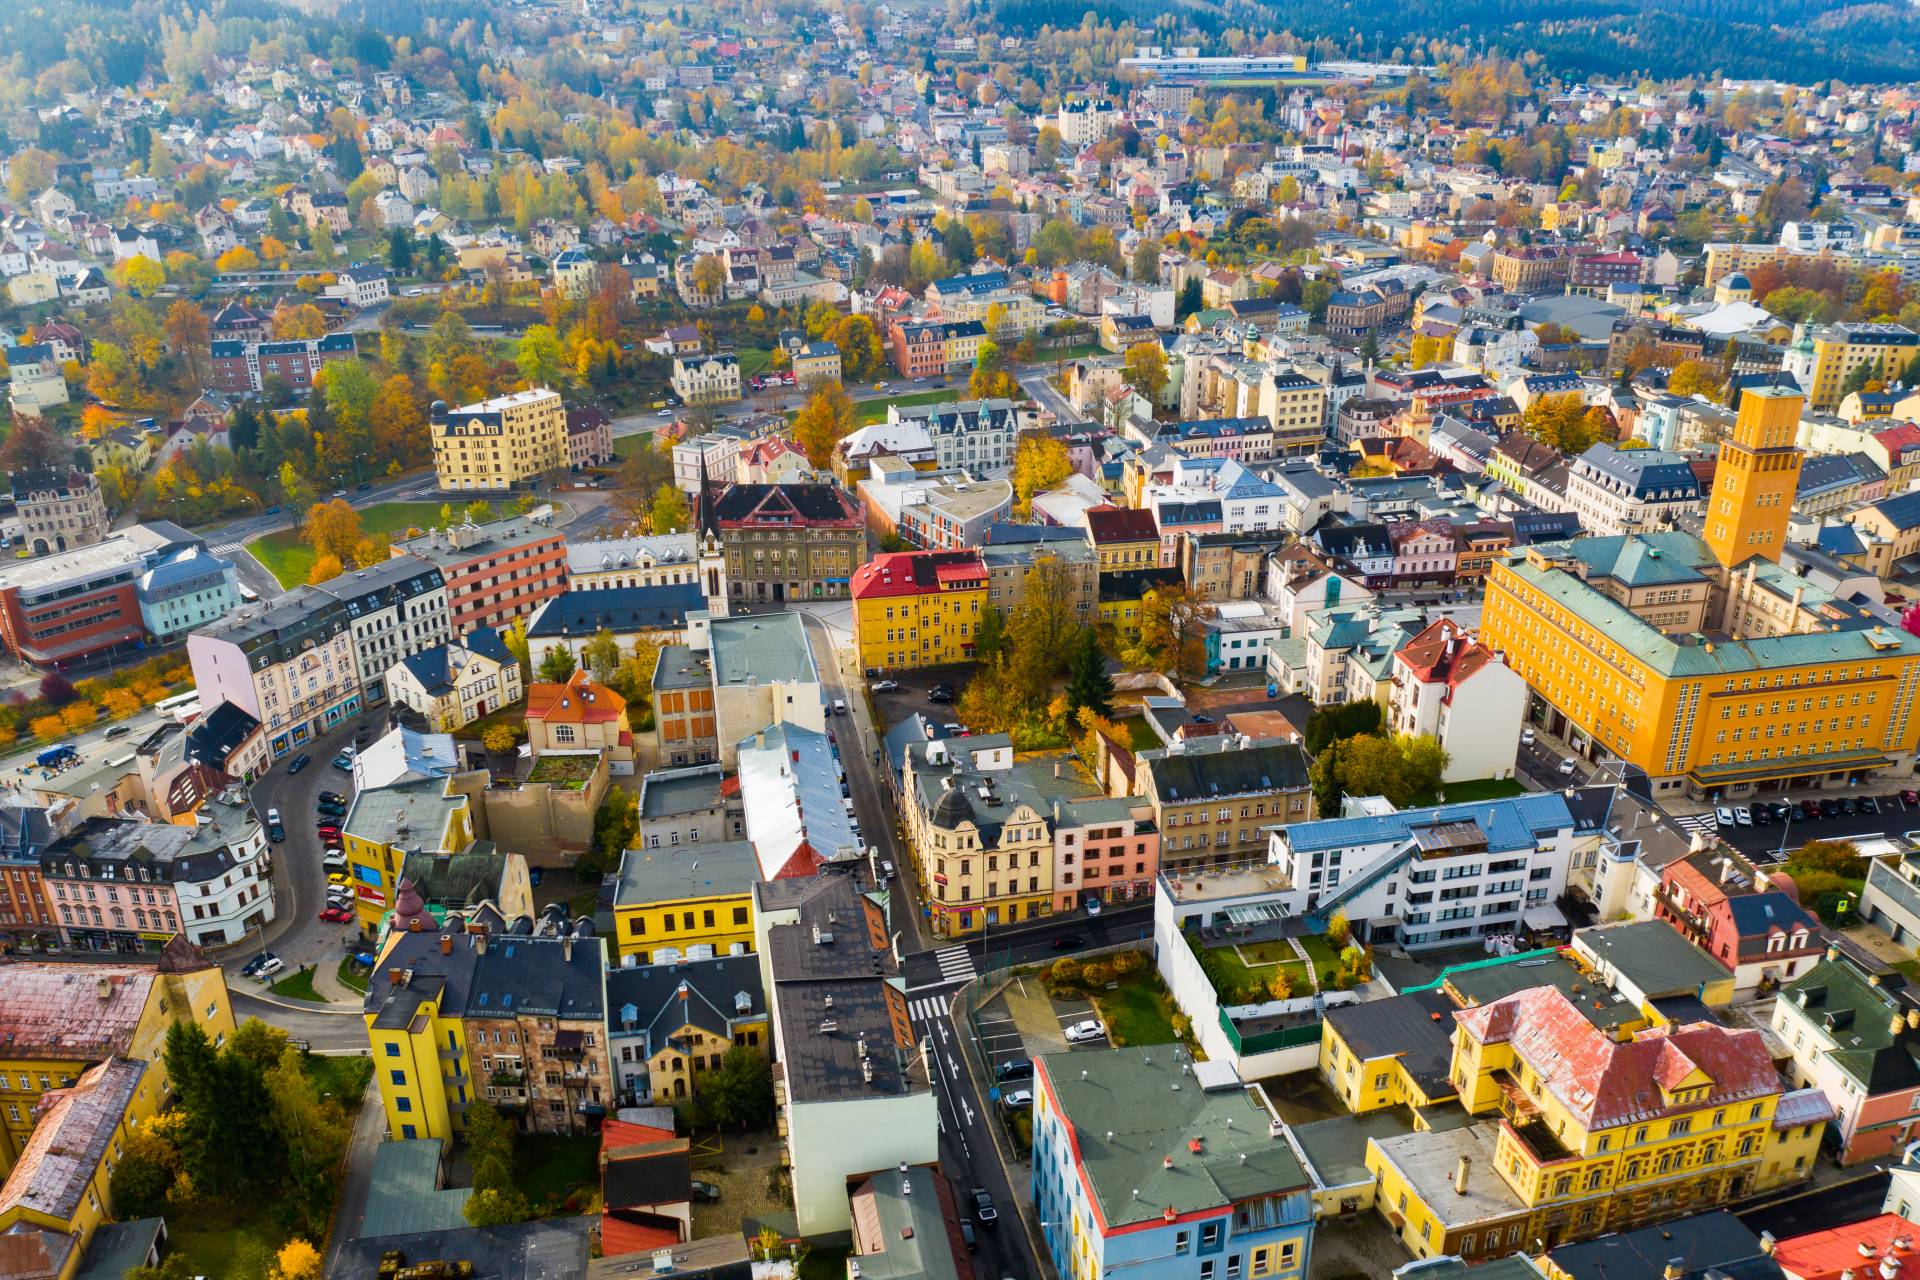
x=1738, y=771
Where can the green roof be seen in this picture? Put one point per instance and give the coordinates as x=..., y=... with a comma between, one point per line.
x=1136, y=1109
x=405, y=1197
x=1858, y=1015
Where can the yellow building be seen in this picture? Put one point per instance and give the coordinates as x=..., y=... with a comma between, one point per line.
x=497, y=444
x=60, y=1189
x=388, y=823
x=918, y=608
x=1840, y=350
x=668, y=1026
x=1123, y=599
x=1583, y=1132
x=1626, y=641
x=56, y=1020
x=686, y=903
x=1124, y=538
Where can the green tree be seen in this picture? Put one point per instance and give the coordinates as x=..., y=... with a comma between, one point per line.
x=145, y=1175
x=540, y=357
x=602, y=655
x=400, y=252
x=557, y=664
x=479, y=511
x=990, y=635
x=311, y=1134
x=1144, y=368
x=668, y=512
x=740, y=1094
x=1190, y=299
x=1314, y=296
x=496, y=1208
x=615, y=824
x=1146, y=262
x=1088, y=684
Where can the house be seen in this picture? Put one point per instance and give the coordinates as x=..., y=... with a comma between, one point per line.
x=579, y=715
x=1733, y=911
x=671, y=1023
x=646, y=1189
x=453, y=684
x=1859, y=1043
x=1450, y=687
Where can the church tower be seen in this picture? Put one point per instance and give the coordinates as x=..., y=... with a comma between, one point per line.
x=713, y=556
x=1755, y=481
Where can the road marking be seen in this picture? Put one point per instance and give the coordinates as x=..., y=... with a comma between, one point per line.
x=929, y=1008
x=956, y=965
x=1697, y=824
x=228, y=548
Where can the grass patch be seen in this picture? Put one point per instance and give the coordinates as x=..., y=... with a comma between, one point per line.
x=1326, y=959
x=869, y=411
x=632, y=446
x=1255, y=964
x=568, y=773
x=1080, y=351
x=514, y=713
x=825, y=1262
x=298, y=985
x=341, y=1077
x=220, y=1241
x=1482, y=789
x=1137, y=1011
x=1911, y=968
x=1140, y=734
x=754, y=361
x=349, y=977
x=550, y=1169
x=288, y=557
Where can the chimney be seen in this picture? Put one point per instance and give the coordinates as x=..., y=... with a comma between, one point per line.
x=566, y=947
x=1833, y=953
x=105, y=988
x=446, y=944
x=1766, y=1243
x=1676, y=1267
x=393, y=978
x=1460, y=1172
x=1913, y=1019
x=1726, y=869
x=1899, y=1022
x=480, y=942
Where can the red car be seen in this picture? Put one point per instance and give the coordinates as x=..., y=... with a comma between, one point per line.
x=329, y=832
x=336, y=915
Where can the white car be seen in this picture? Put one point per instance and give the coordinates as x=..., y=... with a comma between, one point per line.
x=1527, y=738
x=266, y=971
x=1018, y=1100
x=1567, y=767
x=1081, y=1032
x=884, y=686
x=1743, y=815
x=1723, y=816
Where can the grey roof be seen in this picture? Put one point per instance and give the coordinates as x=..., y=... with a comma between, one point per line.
x=655, y=1001
x=1404, y=1027
x=611, y=554
x=1699, y=1240
x=544, y=1249
x=282, y=628
x=620, y=610
x=680, y=667
x=164, y=851
x=905, y=1211
x=405, y=1196
x=386, y=583
x=667, y=792
x=1645, y=474
x=1653, y=956
x=181, y=573
x=516, y=975
x=767, y=648
x=1184, y=778
x=119, y=1247
x=685, y=871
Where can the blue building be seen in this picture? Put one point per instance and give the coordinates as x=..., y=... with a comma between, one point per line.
x=1149, y=1164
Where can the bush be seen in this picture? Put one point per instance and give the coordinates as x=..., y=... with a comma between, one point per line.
x=1339, y=930
x=1066, y=971
x=1128, y=963
x=1280, y=986
x=1096, y=974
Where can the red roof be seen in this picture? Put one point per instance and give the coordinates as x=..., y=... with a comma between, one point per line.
x=1858, y=1248
x=914, y=573
x=1445, y=654
x=579, y=701
x=1109, y=524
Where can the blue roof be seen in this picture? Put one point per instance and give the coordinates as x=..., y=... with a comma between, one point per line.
x=1902, y=510
x=1840, y=540
x=1513, y=823
x=618, y=609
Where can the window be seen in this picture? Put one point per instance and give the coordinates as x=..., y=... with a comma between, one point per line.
x=1210, y=1235
x=1182, y=1241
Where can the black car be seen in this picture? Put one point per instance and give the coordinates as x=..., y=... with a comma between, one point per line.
x=940, y=693
x=363, y=486
x=1018, y=1069
x=1869, y=805
x=1068, y=941
x=117, y=730
x=1829, y=808
x=983, y=1207
x=1849, y=806
x=1762, y=816
x=704, y=1191
x=331, y=797
x=298, y=763
x=1782, y=811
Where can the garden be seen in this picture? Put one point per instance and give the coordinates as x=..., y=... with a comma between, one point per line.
x=1126, y=991
x=1257, y=972
x=290, y=554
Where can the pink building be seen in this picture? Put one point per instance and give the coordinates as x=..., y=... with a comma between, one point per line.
x=1859, y=1043
x=1423, y=552
x=1104, y=848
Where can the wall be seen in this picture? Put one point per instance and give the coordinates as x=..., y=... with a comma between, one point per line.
x=831, y=1140
x=536, y=818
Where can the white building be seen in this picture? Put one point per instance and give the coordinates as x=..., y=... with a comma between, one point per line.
x=1450, y=687
x=1085, y=121
x=398, y=608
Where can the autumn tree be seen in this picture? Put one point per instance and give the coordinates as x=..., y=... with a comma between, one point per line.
x=1695, y=378
x=297, y=1260
x=1039, y=463
x=991, y=379
x=140, y=276
x=326, y=567
x=299, y=322
x=709, y=275
x=33, y=444
x=668, y=512
x=862, y=355
x=188, y=335
x=238, y=258
x=826, y=417
x=333, y=528
x=539, y=356
x=1144, y=368
x=1173, y=630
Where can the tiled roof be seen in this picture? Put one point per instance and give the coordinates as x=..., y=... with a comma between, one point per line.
x=70, y=1139
x=581, y=700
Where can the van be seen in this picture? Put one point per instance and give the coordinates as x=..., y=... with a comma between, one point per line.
x=120, y=761
x=839, y=706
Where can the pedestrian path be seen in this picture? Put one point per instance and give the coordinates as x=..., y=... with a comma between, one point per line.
x=956, y=965
x=1696, y=824
x=927, y=1008
x=228, y=548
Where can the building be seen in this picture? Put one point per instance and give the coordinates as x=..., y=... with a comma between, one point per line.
x=978, y=436
x=675, y=901
x=243, y=368
x=853, y=1089
x=683, y=719
x=589, y=437
x=779, y=542
x=1085, y=121
x=572, y=620
x=1450, y=687
x=1616, y=491
x=52, y=1034
x=1105, y=849
x=123, y=885
x=706, y=379
x=288, y=662
x=395, y=609
x=1124, y=539
x=500, y=444
x=77, y=607
x=1530, y=269
x=1586, y=1134
x=1697, y=660
x=59, y=509
x=184, y=590
x=495, y=572
x=933, y=348
x=918, y=608
x=1824, y=360
x=1739, y=916
x=1148, y=1163
x=669, y=1024
x=1214, y=807
x=454, y=684
x=797, y=820
x=579, y=714
x=515, y=1017
x=816, y=362
x=655, y=560
x=1858, y=1043
x=386, y=825
x=764, y=673
x=688, y=806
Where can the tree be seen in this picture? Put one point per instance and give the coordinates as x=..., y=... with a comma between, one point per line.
x=141, y=276
x=1694, y=378
x=1191, y=298
x=496, y=1208
x=1426, y=351
x=188, y=335
x=333, y=528
x=615, y=824
x=826, y=417
x=1339, y=929
x=400, y=251
x=56, y=690
x=299, y=322
x=1039, y=463
x=515, y=639
x=499, y=739
x=990, y=378
x=861, y=354
x=601, y=655
x=1088, y=684
x=145, y=1175
x=1314, y=296
x=1405, y=769
x=297, y=1260
x=1172, y=632
x=1146, y=262
x=740, y=1093
x=709, y=276
x=668, y=512
x=479, y=511
x=1144, y=368
x=33, y=444
x=556, y=665
x=540, y=357
x=326, y=567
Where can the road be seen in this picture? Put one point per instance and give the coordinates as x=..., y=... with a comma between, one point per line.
x=1033, y=379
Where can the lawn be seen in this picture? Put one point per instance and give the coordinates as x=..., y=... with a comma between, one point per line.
x=565, y=773
x=1257, y=962
x=625, y=447
x=1140, y=734
x=1137, y=1011
x=514, y=713
x=288, y=556
x=1911, y=968
x=1325, y=957
x=349, y=977
x=297, y=985
x=875, y=410
x=754, y=361
x=1482, y=789
x=1083, y=351
x=550, y=1168
x=343, y=1077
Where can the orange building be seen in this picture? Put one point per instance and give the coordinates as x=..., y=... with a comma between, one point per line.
x=580, y=715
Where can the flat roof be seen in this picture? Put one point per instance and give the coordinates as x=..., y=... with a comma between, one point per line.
x=767, y=648
x=407, y=813
x=667, y=792
x=1427, y=1162
x=405, y=1196
x=1218, y=883
x=1652, y=956
x=686, y=871
x=1337, y=1148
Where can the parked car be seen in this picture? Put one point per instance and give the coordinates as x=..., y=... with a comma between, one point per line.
x=336, y=915
x=1083, y=1031
x=704, y=1191
x=253, y=966
x=1018, y=1069
x=1068, y=941
x=1743, y=815
x=264, y=974
x=839, y=706
x=1762, y=816
x=1869, y=805
x=1567, y=767
x=1526, y=738
x=275, y=831
x=1782, y=811
x=983, y=1207
x=940, y=693
x=1829, y=808
x=328, y=830
x=331, y=797
x=966, y=1233
x=344, y=761
x=298, y=763
x=884, y=686
x=1910, y=797
x=1018, y=1100
x=886, y=869
x=1723, y=816
x=1849, y=806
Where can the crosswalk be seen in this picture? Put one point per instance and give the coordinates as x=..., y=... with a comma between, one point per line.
x=1696, y=824
x=955, y=964
x=228, y=548
x=927, y=1008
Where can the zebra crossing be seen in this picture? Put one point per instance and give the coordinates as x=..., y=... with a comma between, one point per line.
x=955, y=964
x=1696, y=824
x=228, y=548
x=927, y=1008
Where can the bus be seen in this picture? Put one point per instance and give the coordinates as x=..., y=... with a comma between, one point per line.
x=183, y=707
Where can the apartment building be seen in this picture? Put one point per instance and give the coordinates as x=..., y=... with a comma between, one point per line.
x=1531, y=269
x=676, y=900
x=500, y=444
x=918, y=608
x=779, y=542
x=451, y=685
x=670, y=1025
x=395, y=609
x=655, y=560
x=1448, y=686
x=1730, y=909
x=706, y=379
x=244, y=368
x=1015, y=551
x=81, y=605
x=288, y=662
x=1858, y=1043
x=1616, y=491
x=494, y=572
x=930, y=348
x=386, y=825
x=60, y=508
x=1821, y=360
x=1214, y=803
x=978, y=436
x=185, y=589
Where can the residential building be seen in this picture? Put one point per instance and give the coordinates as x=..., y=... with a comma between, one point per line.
x=978, y=436
x=853, y=1089
x=1124, y=538
x=1656, y=681
x=688, y=806
x=82, y=605
x=589, y=437
x=52, y=1035
x=1198, y=1177
x=797, y=820
x=1453, y=689
x=1531, y=269
x=26, y=922
x=779, y=542
x=572, y=619
x=1105, y=849
x=670, y=1024
x=34, y=381
x=655, y=560
x=497, y=445
x=918, y=608
x=60, y=509
x=932, y=348
x=495, y=572
x=126, y=885
x=1859, y=1043
x=816, y=362
x=706, y=379
x=516, y=1018
x=683, y=719
x=288, y=662
x=1085, y=121
x=900, y=1233
x=691, y=900
x=396, y=609
x=764, y=673
x=1733, y=911
x=1012, y=554
x=1823, y=360
x=454, y=684
x=184, y=590
x=1616, y=491
x=387, y=824
x=1215, y=807
x=580, y=714
x=245, y=367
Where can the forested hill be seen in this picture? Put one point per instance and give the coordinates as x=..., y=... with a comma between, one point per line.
x=1800, y=41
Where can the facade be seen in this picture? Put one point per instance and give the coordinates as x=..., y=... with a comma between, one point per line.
x=1616, y=491
x=1730, y=909
x=244, y=368
x=1105, y=849
x=693, y=805
x=499, y=444
x=1838, y=351
x=930, y=348
x=589, y=437
x=454, y=684
x=518, y=1019
x=186, y=589
x=59, y=509
x=655, y=560
x=495, y=572
x=683, y=712
x=75, y=606
x=779, y=542
x=1449, y=686
x=395, y=609
x=978, y=436
x=677, y=900
x=670, y=1024
x=1858, y=1043
x=288, y=662
x=918, y=608
x=1213, y=808
x=579, y=715
x=707, y=379
x=1198, y=1177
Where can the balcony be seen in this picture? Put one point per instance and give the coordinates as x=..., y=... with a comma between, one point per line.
x=449, y=1052
x=507, y=1079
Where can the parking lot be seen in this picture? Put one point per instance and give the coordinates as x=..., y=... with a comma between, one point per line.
x=911, y=697
x=1766, y=833
x=1024, y=1022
